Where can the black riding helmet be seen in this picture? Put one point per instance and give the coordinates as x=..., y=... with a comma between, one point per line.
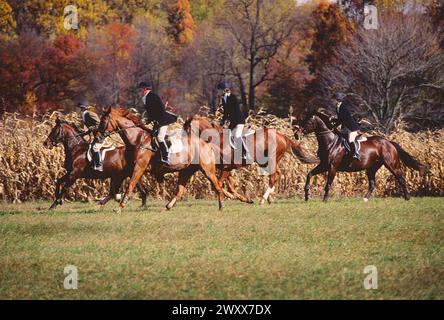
x=223, y=85
x=338, y=96
x=144, y=85
x=83, y=104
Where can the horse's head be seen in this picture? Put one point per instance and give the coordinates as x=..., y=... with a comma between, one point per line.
x=198, y=124
x=107, y=123
x=55, y=136
x=315, y=122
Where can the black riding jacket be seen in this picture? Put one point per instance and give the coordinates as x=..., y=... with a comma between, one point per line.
x=345, y=117
x=156, y=110
x=232, y=111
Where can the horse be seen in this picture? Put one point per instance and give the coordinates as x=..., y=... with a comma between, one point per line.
x=195, y=154
x=374, y=152
x=117, y=163
x=279, y=146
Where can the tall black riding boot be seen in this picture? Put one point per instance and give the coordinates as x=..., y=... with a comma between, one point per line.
x=245, y=153
x=354, y=150
x=98, y=161
x=164, y=152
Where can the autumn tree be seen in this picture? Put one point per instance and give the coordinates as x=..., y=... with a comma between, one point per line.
x=182, y=25
x=111, y=77
x=391, y=73
x=37, y=75
x=152, y=57
x=258, y=28
x=331, y=29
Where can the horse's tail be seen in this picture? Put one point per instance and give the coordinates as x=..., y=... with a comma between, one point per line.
x=300, y=152
x=410, y=161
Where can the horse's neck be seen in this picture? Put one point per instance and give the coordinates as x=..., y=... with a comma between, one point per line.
x=71, y=140
x=325, y=136
x=129, y=132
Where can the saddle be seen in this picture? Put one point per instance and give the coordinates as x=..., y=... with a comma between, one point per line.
x=344, y=141
x=174, y=143
x=103, y=151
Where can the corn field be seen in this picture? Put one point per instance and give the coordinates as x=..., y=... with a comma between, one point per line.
x=28, y=170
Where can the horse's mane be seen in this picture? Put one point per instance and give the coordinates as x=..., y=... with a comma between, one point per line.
x=127, y=113
x=321, y=113
x=187, y=124
x=72, y=125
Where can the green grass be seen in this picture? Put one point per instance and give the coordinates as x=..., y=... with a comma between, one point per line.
x=288, y=250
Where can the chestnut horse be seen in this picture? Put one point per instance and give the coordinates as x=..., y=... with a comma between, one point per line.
x=195, y=154
x=260, y=139
x=117, y=164
x=374, y=153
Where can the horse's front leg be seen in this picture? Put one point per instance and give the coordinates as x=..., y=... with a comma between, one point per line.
x=58, y=200
x=318, y=169
x=139, y=169
x=330, y=177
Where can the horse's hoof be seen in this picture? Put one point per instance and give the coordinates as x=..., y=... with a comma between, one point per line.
x=262, y=202
x=250, y=201
x=118, y=210
x=365, y=199
x=171, y=204
x=221, y=205
x=144, y=207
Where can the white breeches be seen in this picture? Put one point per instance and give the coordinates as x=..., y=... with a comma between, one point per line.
x=97, y=146
x=237, y=131
x=352, y=136
x=162, y=133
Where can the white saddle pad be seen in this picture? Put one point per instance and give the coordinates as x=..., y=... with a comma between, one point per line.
x=176, y=145
x=103, y=152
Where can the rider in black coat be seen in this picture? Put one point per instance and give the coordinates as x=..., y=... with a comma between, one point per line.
x=234, y=114
x=347, y=122
x=157, y=113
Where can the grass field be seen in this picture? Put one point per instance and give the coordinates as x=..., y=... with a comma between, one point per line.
x=288, y=250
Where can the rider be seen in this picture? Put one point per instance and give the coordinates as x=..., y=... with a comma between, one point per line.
x=157, y=113
x=91, y=120
x=234, y=114
x=346, y=120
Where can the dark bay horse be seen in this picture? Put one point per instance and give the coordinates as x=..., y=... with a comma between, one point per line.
x=195, y=154
x=374, y=153
x=117, y=163
x=262, y=141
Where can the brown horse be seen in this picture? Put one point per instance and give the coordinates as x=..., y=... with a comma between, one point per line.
x=195, y=154
x=117, y=164
x=265, y=141
x=374, y=153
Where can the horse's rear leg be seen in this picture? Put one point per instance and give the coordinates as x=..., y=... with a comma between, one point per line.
x=274, y=177
x=225, y=176
x=184, y=176
x=318, y=169
x=143, y=193
x=209, y=170
x=330, y=177
x=395, y=169
x=371, y=175
x=114, y=188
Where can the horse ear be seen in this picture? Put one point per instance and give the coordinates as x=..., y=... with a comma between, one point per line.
x=58, y=120
x=107, y=110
